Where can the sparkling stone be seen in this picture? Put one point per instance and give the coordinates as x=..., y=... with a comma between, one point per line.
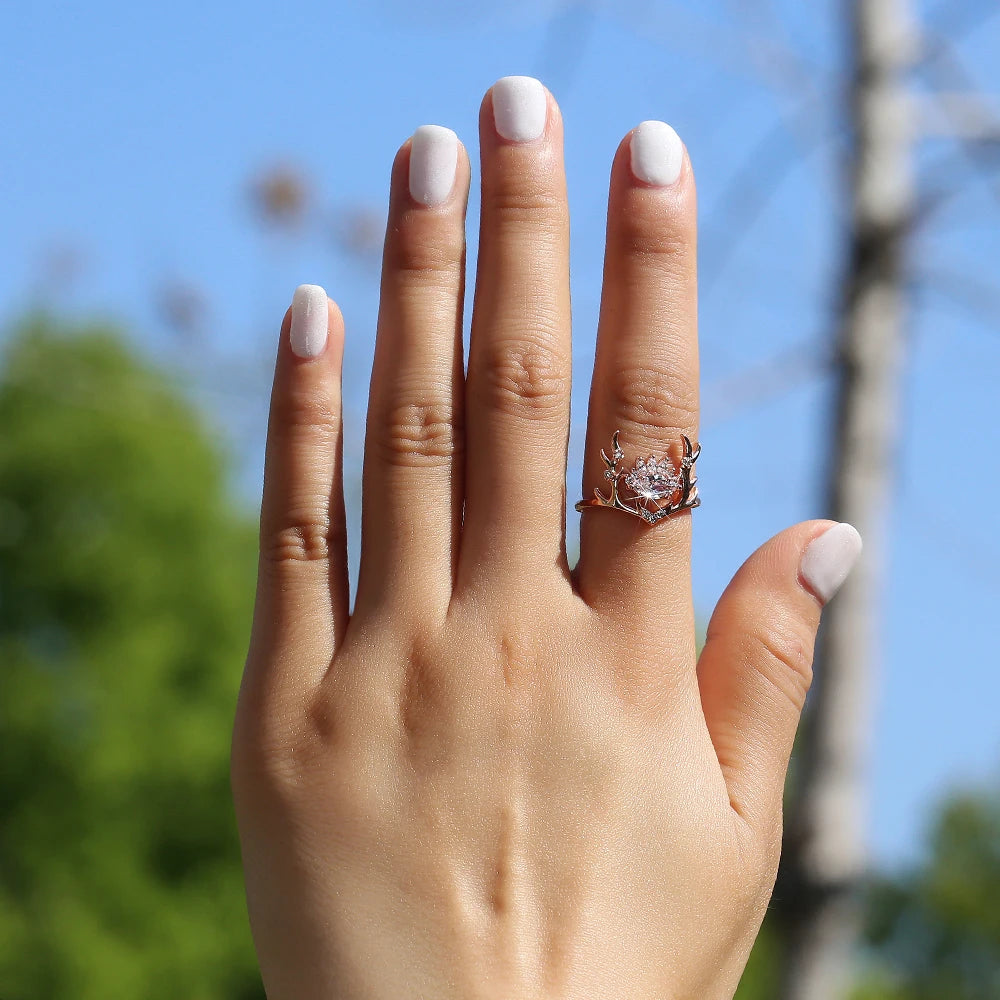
x=652, y=480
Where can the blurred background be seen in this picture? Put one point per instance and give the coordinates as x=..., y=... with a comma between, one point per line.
x=170, y=173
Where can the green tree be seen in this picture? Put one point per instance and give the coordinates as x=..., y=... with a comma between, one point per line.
x=126, y=586
x=935, y=932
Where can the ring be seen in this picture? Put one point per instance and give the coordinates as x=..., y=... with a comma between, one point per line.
x=650, y=483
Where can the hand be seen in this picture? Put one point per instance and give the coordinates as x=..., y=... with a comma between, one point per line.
x=500, y=777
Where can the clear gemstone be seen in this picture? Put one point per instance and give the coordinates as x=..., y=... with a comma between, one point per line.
x=652, y=480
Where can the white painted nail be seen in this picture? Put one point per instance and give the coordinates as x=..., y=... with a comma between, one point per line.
x=657, y=153
x=433, y=162
x=310, y=319
x=829, y=558
x=520, y=108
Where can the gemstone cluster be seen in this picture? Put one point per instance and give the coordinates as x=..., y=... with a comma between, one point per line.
x=658, y=487
x=653, y=480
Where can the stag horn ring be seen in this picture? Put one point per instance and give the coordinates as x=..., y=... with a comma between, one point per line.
x=652, y=489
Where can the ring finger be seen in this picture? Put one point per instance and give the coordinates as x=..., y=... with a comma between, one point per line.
x=645, y=381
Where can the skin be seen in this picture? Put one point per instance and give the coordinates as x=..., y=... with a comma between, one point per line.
x=500, y=777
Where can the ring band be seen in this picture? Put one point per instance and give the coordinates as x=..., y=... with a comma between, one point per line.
x=648, y=483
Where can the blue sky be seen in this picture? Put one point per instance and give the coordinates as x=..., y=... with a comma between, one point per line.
x=131, y=132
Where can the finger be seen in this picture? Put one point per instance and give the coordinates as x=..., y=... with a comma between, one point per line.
x=518, y=386
x=302, y=589
x=756, y=666
x=645, y=381
x=413, y=473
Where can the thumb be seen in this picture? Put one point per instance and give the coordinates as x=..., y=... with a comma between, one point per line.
x=756, y=666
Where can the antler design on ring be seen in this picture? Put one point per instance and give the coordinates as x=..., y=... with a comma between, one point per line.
x=650, y=482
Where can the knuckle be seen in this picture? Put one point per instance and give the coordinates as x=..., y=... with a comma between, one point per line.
x=647, y=238
x=308, y=406
x=421, y=256
x=298, y=539
x=279, y=744
x=263, y=754
x=256, y=764
x=426, y=694
x=275, y=768
x=419, y=434
x=516, y=206
x=784, y=659
x=649, y=398
x=525, y=377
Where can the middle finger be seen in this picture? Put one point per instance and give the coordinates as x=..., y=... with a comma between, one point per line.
x=645, y=381
x=518, y=385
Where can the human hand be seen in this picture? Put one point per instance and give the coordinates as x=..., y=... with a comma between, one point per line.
x=500, y=777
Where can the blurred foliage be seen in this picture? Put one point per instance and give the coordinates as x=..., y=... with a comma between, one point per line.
x=280, y=196
x=935, y=932
x=932, y=933
x=126, y=579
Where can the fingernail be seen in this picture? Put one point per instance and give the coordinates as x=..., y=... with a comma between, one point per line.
x=519, y=108
x=433, y=162
x=657, y=153
x=310, y=318
x=829, y=558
